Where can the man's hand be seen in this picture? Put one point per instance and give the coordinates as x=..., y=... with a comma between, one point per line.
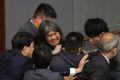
x=81, y=64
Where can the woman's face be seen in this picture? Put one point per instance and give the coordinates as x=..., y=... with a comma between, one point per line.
x=53, y=38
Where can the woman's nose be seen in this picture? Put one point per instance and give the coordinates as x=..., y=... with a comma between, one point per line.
x=53, y=37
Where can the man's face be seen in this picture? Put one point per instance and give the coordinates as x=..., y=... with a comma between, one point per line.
x=94, y=40
x=42, y=18
x=29, y=50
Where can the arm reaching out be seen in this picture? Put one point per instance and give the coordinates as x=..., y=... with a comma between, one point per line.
x=81, y=64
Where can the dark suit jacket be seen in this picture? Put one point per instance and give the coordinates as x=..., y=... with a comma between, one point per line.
x=29, y=28
x=96, y=69
x=115, y=67
x=13, y=65
x=60, y=62
x=42, y=74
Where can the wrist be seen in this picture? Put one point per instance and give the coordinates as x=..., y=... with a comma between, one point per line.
x=54, y=53
x=77, y=70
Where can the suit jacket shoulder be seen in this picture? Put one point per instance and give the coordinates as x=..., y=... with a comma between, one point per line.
x=42, y=74
x=29, y=28
x=13, y=65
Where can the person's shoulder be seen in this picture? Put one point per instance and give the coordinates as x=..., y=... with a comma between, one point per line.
x=8, y=57
x=57, y=61
x=56, y=76
x=7, y=54
x=97, y=59
x=11, y=52
x=24, y=26
x=92, y=54
x=57, y=58
x=46, y=74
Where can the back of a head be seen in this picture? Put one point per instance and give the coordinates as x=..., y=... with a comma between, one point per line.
x=21, y=39
x=73, y=41
x=95, y=26
x=45, y=9
x=107, y=42
x=42, y=57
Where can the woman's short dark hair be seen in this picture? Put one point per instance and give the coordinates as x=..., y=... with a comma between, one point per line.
x=45, y=27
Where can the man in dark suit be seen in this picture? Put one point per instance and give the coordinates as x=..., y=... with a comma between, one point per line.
x=93, y=29
x=67, y=60
x=43, y=12
x=98, y=66
x=14, y=62
x=42, y=56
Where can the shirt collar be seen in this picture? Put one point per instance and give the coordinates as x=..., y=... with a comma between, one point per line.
x=31, y=21
x=106, y=58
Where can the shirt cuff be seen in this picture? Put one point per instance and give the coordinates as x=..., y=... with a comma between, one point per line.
x=72, y=71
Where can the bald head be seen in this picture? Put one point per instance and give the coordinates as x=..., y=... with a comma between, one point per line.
x=107, y=37
x=108, y=41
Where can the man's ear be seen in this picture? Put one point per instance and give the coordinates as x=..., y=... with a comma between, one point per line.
x=114, y=51
x=101, y=34
x=24, y=48
x=79, y=50
x=24, y=51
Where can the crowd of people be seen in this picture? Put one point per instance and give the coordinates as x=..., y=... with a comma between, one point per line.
x=41, y=52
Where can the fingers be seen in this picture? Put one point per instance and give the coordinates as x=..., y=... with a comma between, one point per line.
x=58, y=46
x=86, y=61
x=57, y=49
x=83, y=60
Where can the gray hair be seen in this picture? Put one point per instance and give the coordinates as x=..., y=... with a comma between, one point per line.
x=108, y=41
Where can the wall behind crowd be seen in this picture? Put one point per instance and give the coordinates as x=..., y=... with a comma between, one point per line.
x=19, y=11
x=71, y=14
x=105, y=9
